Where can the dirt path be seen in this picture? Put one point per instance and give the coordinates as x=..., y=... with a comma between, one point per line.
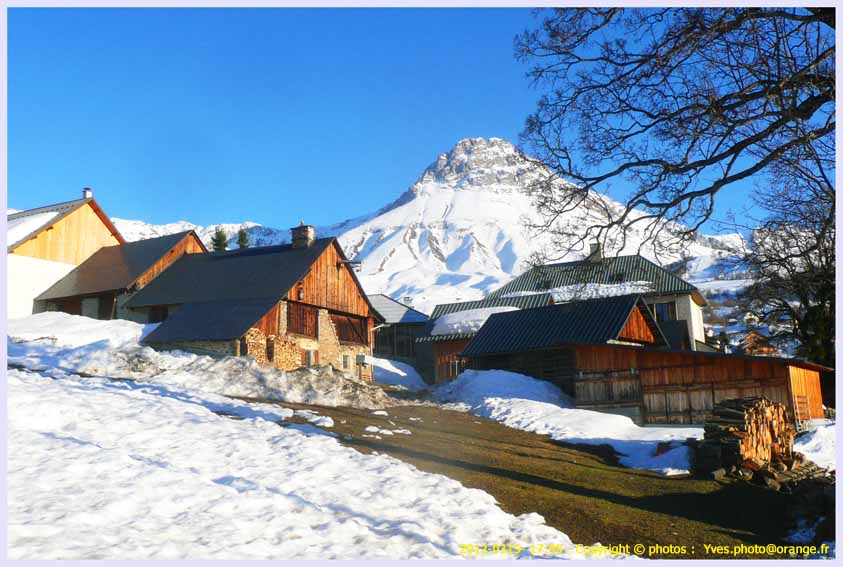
x=579, y=490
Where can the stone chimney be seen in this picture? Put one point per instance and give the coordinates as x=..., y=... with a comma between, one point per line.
x=596, y=252
x=87, y=193
x=303, y=235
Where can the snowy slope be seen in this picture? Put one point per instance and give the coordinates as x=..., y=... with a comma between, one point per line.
x=456, y=233
x=164, y=466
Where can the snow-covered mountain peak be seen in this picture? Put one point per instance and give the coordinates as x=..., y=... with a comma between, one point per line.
x=490, y=164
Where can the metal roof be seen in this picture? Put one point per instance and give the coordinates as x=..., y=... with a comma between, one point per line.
x=609, y=270
x=593, y=321
x=521, y=302
x=62, y=210
x=113, y=267
x=395, y=312
x=211, y=321
x=249, y=273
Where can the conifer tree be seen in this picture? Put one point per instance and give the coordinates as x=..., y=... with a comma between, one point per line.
x=242, y=238
x=219, y=241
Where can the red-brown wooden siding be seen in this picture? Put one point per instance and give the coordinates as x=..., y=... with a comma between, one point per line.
x=447, y=362
x=636, y=328
x=190, y=244
x=331, y=285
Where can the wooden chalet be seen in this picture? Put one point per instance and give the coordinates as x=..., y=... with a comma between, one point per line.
x=288, y=306
x=447, y=362
x=610, y=355
x=668, y=296
x=44, y=244
x=100, y=286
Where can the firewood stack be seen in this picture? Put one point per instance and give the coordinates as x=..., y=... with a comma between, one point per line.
x=747, y=429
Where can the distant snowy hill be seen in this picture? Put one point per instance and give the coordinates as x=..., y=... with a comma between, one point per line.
x=455, y=234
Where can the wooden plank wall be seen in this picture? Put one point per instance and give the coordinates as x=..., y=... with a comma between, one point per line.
x=71, y=240
x=268, y=324
x=331, y=285
x=637, y=329
x=190, y=244
x=446, y=359
x=805, y=387
x=682, y=387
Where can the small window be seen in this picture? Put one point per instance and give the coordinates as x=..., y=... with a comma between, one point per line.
x=665, y=311
x=346, y=362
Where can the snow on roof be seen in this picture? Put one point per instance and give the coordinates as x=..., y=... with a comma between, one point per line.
x=577, y=292
x=468, y=321
x=19, y=228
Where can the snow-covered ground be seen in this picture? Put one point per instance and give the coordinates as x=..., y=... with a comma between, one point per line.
x=111, y=348
x=398, y=374
x=104, y=468
x=529, y=404
x=818, y=445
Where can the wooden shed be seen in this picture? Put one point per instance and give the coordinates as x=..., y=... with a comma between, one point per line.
x=608, y=355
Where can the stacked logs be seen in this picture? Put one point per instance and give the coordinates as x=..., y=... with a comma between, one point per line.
x=746, y=429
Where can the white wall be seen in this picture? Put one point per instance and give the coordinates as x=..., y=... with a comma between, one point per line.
x=27, y=278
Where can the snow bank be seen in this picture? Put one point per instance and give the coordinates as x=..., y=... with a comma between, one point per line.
x=90, y=347
x=398, y=374
x=525, y=403
x=818, y=446
x=468, y=321
x=102, y=469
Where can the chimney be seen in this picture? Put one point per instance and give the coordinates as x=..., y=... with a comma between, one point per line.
x=87, y=193
x=302, y=235
x=596, y=252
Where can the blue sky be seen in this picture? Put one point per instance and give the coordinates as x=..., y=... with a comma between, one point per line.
x=265, y=115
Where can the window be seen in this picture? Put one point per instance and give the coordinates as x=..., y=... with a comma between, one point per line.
x=309, y=358
x=346, y=362
x=664, y=311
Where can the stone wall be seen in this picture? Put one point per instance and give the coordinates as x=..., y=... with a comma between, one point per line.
x=129, y=314
x=287, y=349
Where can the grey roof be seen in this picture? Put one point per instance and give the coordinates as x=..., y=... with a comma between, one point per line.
x=211, y=321
x=113, y=267
x=521, y=302
x=610, y=270
x=593, y=321
x=395, y=312
x=250, y=273
x=61, y=210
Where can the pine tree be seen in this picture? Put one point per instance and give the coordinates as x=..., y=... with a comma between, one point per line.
x=219, y=241
x=242, y=238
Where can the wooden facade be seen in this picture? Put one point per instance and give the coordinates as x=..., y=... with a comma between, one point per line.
x=73, y=238
x=660, y=386
x=331, y=284
x=190, y=244
x=447, y=360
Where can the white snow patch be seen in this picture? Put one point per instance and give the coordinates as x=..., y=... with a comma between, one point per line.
x=522, y=402
x=818, y=446
x=19, y=228
x=379, y=412
x=468, y=321
x=397, y=374
x=376, y=429
x=315, y=418
x=103, y=469
x=578, y=292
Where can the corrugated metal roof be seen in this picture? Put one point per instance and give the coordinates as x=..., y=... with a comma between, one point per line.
x=62, y=210
x=610, y=270
x=266, y=271
x=395, y=312
x=521, y=302
x=440, y=338
x=211, y=321
x=593, y=321
x=113, y=267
